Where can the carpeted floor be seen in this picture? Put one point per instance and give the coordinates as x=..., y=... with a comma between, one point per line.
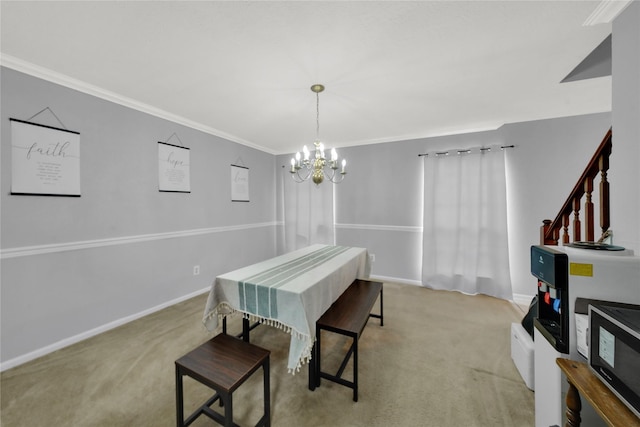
x=442, y=359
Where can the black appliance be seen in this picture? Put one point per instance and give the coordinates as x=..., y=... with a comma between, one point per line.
x=551, y=268
x=614, y=351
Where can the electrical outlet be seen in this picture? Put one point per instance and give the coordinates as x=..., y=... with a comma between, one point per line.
x=196, y=270
x=372, y=257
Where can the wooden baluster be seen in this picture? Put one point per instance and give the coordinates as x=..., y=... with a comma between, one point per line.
x=546, y=236
x=588, y=209
x=576, y=220
x=550, y=231
x=603, y=165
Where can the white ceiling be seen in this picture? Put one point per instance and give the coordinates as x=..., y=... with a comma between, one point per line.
x=393, y=70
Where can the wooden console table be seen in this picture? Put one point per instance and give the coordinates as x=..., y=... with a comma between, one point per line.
x=607, y=405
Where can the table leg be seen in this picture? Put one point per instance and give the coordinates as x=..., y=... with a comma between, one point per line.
x=245, y=329
x=318, y=348
x=312, y=369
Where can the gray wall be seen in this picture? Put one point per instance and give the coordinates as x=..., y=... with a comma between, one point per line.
x=549, y=157
x=72, y=267
x=625, y=158
x=379, y=205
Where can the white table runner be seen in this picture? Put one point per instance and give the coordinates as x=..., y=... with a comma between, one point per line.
x=290, y=291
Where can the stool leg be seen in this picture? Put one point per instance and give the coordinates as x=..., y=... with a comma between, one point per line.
x=267, y=393
x=228, y=408
x=179, y=401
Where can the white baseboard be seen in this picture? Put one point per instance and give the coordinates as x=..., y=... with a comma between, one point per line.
x=522, y=299
x=93, y=332
x=397, y=280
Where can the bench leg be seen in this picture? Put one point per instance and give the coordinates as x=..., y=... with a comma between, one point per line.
x=179, y=401
x=355, y=369
x=381, y=315
x=381, y=306
x=318, y=347
x=267, y=393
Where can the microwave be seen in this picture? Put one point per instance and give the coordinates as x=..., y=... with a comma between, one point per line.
x=614, y=351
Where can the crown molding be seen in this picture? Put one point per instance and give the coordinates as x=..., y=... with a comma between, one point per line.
x=606, y=12
x=84, y=87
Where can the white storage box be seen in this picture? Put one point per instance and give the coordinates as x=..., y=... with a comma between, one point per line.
x=522, y=353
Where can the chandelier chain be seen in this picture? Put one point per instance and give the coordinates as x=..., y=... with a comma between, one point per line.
x=317, y=116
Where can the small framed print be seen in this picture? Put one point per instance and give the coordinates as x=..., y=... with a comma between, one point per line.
x=239, y=183
x=173, y=168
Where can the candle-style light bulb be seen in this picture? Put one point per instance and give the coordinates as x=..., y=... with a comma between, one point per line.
x=334, y=154
x=305, y=150
x=344, y=165
x=293, y=162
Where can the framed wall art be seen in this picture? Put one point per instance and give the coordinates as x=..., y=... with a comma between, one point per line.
x=44, y=160
x=173, y=168
x=239, y=183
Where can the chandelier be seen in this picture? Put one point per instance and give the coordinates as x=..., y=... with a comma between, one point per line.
x=317, y=167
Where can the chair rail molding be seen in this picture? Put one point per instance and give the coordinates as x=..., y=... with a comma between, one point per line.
x=375, y=227
x=125, y=240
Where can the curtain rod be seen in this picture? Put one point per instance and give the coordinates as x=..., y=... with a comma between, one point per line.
x=442, y=153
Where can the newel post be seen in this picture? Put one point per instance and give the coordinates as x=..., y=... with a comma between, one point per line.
x=544, y=232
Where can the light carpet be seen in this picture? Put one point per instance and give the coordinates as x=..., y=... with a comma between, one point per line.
x=441, y=359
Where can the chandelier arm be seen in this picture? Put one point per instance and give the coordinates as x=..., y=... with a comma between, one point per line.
x=337, y=181
x=298, y=180
x=303, y=177
x=334, y=177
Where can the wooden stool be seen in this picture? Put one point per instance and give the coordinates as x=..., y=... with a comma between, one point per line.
x=222, y=363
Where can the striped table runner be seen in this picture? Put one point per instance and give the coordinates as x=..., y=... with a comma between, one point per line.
x=290, y=292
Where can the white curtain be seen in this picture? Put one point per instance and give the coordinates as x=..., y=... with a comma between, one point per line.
x=465, y=223
x=308, y=213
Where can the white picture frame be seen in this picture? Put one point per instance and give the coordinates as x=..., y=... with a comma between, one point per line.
x=174, y=168
x=239, y=183
x=44, y=160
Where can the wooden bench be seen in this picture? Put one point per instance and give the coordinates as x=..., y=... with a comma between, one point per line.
x=223, y=363
x=348, y=316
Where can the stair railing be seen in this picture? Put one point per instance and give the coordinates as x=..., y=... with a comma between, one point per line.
x=599, y=165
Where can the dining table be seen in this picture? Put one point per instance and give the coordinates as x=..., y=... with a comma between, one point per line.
x=290, y=291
